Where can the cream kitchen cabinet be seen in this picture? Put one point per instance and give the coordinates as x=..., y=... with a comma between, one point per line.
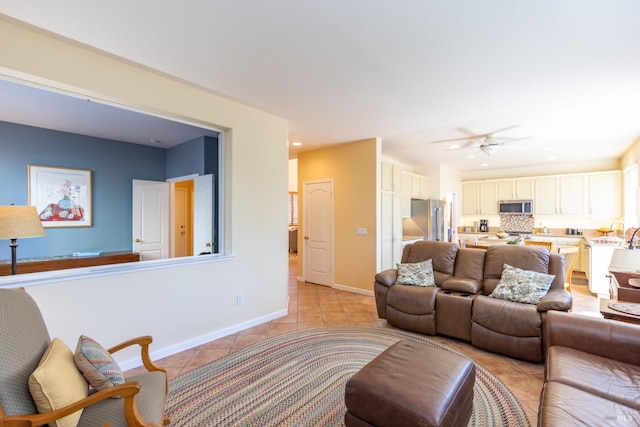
x=573, y=190
x=604, y=193
x=419, y=187
x=390, y=229
x=515, y=189
x=560, y=195
x=406, y=194
x=414, y=186
x=545, y=200
x=479, y=198
x=391, y=177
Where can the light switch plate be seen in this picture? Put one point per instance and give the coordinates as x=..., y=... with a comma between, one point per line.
x=361, y=231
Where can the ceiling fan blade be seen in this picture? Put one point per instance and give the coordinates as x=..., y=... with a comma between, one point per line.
x=516, y=140
x=503, y=129
x=440, y=141
x=469, y=144
x=471, y=133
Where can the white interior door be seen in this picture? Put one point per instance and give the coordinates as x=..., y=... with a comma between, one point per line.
x=151, y=219
x=203, y=237
x=318, y=232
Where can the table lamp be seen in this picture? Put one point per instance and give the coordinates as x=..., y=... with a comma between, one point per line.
x=19, y=222
x=625, y=260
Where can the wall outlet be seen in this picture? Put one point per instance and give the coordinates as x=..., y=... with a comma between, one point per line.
x=361, y=231
x=239, y=299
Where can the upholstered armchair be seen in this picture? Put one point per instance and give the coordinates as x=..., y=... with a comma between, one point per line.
x=24, y=339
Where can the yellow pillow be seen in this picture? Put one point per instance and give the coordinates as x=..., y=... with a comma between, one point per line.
x=57, y=382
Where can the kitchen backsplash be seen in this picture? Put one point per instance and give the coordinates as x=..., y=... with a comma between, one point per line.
x=516, y=223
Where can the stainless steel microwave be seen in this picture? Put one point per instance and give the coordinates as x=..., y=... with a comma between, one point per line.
x=515, y=207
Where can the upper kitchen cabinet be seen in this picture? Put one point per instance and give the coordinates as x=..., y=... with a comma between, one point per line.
x=414, y=186
x=560, y=195
x=515, y=189
x=419, y=187
x=479, y=198
x=573, y=194
x=595, y=193
x=406, y=194
x=391, y=177
x=604, y=193
x=545, y=197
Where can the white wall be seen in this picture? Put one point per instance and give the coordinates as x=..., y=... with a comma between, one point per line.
x=184, y=305
x=293, y=175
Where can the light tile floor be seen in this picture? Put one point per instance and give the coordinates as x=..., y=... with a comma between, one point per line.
x=313, y=306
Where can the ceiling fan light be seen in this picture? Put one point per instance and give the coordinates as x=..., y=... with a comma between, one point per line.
x=489, y=149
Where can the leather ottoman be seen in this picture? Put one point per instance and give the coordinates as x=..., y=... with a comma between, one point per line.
x=411, y=384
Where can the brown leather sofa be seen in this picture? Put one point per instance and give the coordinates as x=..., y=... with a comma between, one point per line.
x=459, y=305
x=592, y=372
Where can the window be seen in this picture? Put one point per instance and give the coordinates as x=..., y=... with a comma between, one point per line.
x=631, y=196
x=293, y=208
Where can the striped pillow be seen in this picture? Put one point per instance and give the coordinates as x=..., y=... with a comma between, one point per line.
x=97, y=365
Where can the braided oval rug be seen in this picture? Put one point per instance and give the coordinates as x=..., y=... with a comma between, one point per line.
x=298, y=379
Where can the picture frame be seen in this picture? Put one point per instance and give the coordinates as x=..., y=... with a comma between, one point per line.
x=62, y=196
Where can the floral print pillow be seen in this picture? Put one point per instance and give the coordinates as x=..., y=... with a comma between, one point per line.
x=523, y=286
x=418, y=274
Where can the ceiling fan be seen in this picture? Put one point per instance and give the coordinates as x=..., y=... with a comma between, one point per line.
x=487, y=143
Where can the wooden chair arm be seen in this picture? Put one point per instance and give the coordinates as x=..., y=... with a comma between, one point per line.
x=126, y=390
x=144, y=342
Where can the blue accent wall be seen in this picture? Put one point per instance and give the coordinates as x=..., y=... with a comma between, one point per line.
x=186, y=159
x=114, y=165
x=201, y=156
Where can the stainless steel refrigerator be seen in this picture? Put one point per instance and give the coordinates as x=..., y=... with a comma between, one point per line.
x=429, y=216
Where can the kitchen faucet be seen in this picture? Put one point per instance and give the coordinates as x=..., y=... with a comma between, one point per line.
x=614, y=224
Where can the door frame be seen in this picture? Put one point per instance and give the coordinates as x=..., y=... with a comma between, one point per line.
x=305, y=259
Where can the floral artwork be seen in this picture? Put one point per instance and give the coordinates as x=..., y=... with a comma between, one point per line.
x=61, y=196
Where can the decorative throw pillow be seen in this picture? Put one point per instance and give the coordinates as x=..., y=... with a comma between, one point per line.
x=419, y=274
x=56, y=382
x=97, y=365
x=523, y=286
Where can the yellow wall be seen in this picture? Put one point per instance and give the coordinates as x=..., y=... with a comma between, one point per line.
x=354, y=169
x=181, y=305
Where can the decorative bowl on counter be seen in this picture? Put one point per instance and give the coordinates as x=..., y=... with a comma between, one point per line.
x=604, y=230
x=502, y=234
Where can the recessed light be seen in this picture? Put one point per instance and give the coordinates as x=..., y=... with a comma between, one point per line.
x=552, y=158
x=155, y=141
x=548, y=148
x=296, y=143
x=484, y=164
x=454, y=146
x=471, y=156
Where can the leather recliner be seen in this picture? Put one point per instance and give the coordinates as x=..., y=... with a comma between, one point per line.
x=413, y=307
x=512, y=328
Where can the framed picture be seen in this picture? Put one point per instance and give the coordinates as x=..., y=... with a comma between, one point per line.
x=62, y=196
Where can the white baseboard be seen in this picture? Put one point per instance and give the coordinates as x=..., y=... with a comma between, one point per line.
x=352, y=289
x=194, y=342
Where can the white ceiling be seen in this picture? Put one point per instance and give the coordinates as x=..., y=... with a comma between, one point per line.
x=566, y=72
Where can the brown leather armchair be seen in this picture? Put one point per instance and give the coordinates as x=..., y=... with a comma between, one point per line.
x=511, y=328
x=23, y=341
x=591, y=372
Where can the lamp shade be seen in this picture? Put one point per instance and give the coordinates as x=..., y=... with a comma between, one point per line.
x=625, y=260
x=18, y=222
